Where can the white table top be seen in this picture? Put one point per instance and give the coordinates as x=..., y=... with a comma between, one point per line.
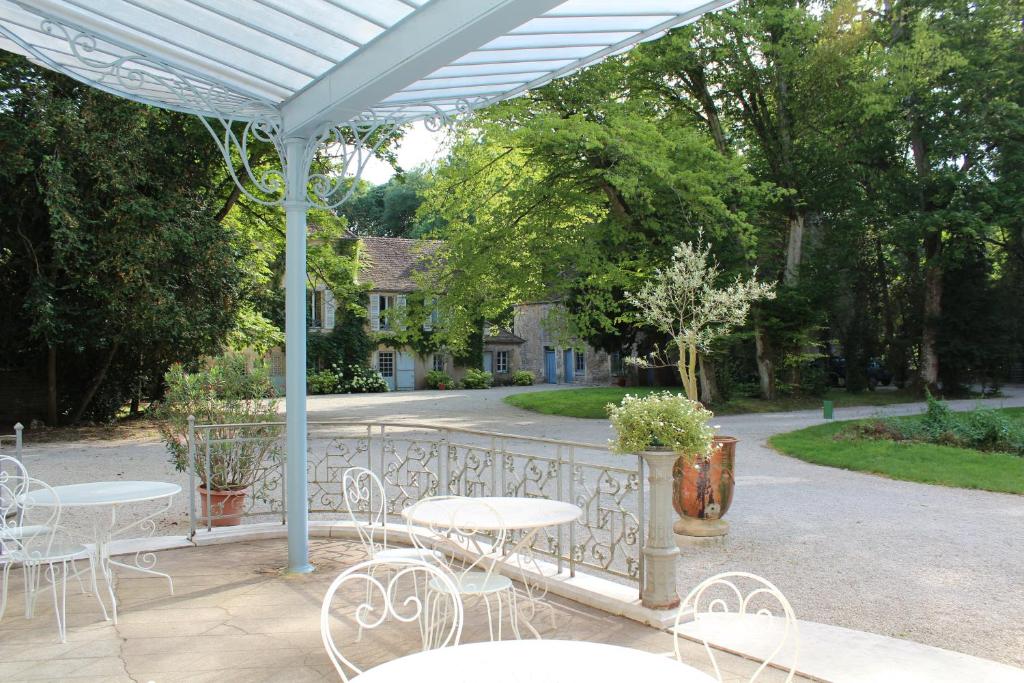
x=534, y=661
x=514, y=513
x=103, y=493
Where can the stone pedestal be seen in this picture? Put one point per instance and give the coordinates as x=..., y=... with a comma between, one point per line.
x=660, y=550
x=690, y=526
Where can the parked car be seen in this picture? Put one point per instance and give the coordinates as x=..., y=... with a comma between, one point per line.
x=875, y=370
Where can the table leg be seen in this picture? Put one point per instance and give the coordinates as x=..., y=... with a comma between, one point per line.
x=143, y=561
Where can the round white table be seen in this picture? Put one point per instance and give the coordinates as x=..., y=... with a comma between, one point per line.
x=496, y=513
x=521, y=514
x=534, y=661
x=113, y=494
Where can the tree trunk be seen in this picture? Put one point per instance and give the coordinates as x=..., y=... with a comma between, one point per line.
x=932, y=311
x=96, y=382
x=709, y=393
x=794, y=248
x=51, y=386
x=932, y=264
x=765, y=365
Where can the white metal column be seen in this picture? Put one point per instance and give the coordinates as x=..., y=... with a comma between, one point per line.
x=296, y=205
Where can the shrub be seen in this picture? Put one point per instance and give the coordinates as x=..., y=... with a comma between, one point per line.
x=522, y=378
x=477, y=379
x=661, y=420
x=436, y=378
x=360, y=379
x=323, y=382
x=226, y=392
x=981, y=429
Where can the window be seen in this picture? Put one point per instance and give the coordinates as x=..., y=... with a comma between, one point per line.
x=315, y=308
x=431, y=322
x=438, y=362
x=581, y=361
x=384, y=303
x=501, y=361
x=616, y=362
x=386, y=363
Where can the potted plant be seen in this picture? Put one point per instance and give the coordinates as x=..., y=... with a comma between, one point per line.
x=229, y=459
x=664, y=422
x=663, y=428
x=690, y=304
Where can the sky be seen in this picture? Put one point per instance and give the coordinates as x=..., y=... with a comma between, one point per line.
x=418, y=146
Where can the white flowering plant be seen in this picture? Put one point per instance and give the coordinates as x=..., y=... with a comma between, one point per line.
x=661, y=420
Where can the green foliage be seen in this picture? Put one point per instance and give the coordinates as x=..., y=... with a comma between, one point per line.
x=522, y=378
x=360, y=379
x=438, y=379
x=477, y=379
x=910, y=461
x=323, y=382
x=981, y=429
x=112, y=253
x=661, y=420
x=226, y=392
x=390, y=209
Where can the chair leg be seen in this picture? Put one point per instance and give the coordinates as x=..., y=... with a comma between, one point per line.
x=78, y=575
x=96, y=588
x=513, y=614
x=3, y=589
x=59, y=603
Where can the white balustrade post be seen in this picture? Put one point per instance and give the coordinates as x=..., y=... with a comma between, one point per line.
x=660, y=551
x=296, y=204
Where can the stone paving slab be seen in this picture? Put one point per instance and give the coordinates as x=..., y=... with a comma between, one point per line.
x=235, y=617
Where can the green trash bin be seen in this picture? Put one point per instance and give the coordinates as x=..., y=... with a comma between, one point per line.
x=827, y=410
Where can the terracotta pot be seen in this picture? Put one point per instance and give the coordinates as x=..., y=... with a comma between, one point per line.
x=702, y=489
x=441, y=386
x=227, y=506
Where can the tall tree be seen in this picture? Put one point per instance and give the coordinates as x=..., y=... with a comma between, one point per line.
x=114, y=262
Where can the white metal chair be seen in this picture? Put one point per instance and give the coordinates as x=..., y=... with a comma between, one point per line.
x=395, y=605
x=32, y=538
x=718, y=600
x=367, y=507
x=472, y=541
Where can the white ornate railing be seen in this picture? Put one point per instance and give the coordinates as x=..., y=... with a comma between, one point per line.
x=419, y=460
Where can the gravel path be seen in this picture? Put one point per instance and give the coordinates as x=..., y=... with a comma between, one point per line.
x=932, y=564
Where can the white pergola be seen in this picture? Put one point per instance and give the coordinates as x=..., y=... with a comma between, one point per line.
x=316, y=75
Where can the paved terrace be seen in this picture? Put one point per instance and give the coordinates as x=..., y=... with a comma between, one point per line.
x=234, y=617
x=930, y=564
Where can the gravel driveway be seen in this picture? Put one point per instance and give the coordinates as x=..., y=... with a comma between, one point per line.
x=932, y=564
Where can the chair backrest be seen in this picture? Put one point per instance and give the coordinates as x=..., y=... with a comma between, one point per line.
x=469, y=532
x=740, y=595
x=30, y=534
x=381, y=601
x=366, y=505
x=13, y=484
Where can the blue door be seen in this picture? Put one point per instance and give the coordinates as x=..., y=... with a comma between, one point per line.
x=550, y=367
x=568, y=365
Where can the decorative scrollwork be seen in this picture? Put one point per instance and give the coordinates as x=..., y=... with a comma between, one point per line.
x=241, y=123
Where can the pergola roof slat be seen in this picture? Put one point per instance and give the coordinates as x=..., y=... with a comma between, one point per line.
x=306, y=63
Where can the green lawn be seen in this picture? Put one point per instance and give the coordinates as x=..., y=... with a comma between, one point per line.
x=925, y=463
x=590, y=402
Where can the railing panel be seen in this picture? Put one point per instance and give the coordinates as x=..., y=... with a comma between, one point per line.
x=415, y=461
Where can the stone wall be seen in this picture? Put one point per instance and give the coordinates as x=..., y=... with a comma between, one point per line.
x=529, y=324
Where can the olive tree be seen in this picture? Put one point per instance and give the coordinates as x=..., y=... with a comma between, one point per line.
x=686, y=302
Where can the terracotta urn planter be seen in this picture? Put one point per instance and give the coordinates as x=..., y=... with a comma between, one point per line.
x=227, y=506
x=702, y=490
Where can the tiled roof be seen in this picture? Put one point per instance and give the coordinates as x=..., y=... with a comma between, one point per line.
x=503, y=337
x=389, y=263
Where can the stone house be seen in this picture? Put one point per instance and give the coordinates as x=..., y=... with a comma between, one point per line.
x=554, y=363
x=389, y=266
